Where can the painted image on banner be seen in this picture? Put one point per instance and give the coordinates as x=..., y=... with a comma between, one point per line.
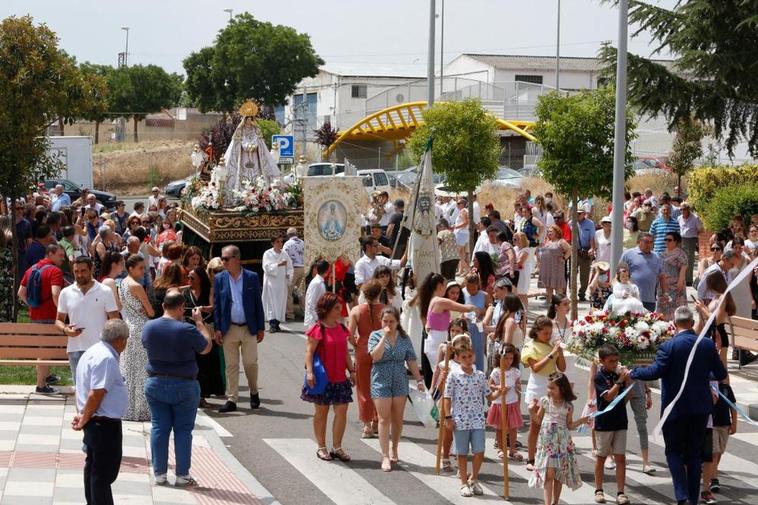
x=332, y=217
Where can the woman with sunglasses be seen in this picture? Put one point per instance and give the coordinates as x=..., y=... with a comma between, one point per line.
x=716, y=251
x=675, y=268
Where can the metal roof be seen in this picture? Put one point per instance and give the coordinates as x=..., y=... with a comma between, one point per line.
x=375, y=70
x=535, y=63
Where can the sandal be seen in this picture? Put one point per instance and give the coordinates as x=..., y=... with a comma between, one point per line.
x=530, y=465
x=323, y=454
x=386, y=465
x=393, y=458
x=367, y=434
x=500, y=454
x=341, y=455
x=516, y=456
x=447, y=466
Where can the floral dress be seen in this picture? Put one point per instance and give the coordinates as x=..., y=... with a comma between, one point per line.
x=134, y=359
x=555, y=449
x=673, y=261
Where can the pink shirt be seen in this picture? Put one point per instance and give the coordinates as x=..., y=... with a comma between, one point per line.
x=332, y=349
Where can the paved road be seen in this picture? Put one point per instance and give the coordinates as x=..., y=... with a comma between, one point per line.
x=276, y=445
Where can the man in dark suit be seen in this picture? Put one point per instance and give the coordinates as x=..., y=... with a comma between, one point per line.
x=684, y=430
x=238, y=314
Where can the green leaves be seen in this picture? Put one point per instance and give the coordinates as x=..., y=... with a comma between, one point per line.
x=577, y=136
x=466, y=148
x=250, y=59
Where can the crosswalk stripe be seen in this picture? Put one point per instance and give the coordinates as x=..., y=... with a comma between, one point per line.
x=340, y=483
x=582, y=496
x=420, y=463
x=750, y=438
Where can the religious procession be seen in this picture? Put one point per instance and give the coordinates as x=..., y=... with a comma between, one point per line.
x=544, y=306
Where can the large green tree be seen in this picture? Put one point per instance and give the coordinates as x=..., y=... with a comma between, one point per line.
x=713, y=78
x=686, y=148
x=466, y=147
x=576, y=134
x=140, y=90
x=99, y=105
x=249, y=59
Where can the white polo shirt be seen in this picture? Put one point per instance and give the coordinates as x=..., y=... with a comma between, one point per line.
x=88, y=311
x=364, y=267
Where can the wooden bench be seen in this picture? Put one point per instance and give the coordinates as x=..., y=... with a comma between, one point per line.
x=745, y=334
x=32, y=344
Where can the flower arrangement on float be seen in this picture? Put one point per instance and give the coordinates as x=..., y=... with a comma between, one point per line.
x=637, y=336
x=253, y=197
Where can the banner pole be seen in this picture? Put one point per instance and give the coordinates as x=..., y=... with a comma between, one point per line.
x=441, y=431
x=504, y=429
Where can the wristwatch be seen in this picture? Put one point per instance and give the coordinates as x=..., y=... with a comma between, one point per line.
x=448, y=417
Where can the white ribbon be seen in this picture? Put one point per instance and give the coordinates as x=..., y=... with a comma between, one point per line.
x=667, y=411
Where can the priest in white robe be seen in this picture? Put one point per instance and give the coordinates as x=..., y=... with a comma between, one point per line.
x=277, y=276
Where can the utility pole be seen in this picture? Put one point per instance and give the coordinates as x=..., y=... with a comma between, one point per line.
x=126, y=50
x=229, y=11
x=430, y=66
x=442, y=46
x=558, y=50
x=619, y=145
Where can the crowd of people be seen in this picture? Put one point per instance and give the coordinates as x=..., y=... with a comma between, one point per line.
x=124, y=286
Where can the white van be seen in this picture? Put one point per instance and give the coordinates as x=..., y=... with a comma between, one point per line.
x=375, y=180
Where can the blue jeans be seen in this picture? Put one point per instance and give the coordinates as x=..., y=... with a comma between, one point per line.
x=173, y=406
x=73, y=362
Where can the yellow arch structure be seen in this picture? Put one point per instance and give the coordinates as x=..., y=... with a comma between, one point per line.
x=400, y=121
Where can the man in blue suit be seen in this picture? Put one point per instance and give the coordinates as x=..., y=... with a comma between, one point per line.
x=238, y=315
x=684, y=430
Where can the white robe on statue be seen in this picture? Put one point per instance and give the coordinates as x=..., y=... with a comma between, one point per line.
x=275, y=281
x=246, y=159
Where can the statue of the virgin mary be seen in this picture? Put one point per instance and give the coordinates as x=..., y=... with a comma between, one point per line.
x=247, y=156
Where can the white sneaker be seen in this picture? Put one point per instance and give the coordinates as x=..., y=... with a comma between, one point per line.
x=475, y=487
x=185, y=481
x=648, y=469
x=610, y=463
x=161, y=480
x=466, y=491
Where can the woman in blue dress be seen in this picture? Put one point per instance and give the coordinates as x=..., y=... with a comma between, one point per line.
x=473, y=295
x=391, y=349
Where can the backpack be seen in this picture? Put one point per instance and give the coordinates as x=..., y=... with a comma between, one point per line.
x=34, y=286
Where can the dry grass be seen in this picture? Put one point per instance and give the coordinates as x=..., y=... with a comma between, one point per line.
x=134, y=168
x=504, y=198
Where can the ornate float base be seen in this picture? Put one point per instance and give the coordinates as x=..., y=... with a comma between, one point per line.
x=213, y=230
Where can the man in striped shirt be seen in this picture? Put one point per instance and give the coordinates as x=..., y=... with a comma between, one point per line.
x=662, y=225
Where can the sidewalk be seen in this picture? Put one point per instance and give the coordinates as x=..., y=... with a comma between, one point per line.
x=41, y=460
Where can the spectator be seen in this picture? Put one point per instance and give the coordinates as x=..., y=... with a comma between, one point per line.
x=741, y=292
x=553, y=256
x=600, y=284
x=316, y=288
x=487, y=240
x=560, y=221
x=684, y=429
x=727, y=261
x=586, y=244
x=101, y=403
x=706, y=262
x=525, y=261
x=631, y=231
x=724, y=424
x=93, y=204
x=393, y=228
x=277, y=276
x=113, y=268
x=646, y=271
x=645, y=215
x=139, y=210
x=170, y=277
x=661, y=226
x=385, y=246
x=106, y=242
x=43, y=298
x=690, y=227
x=192, y=259
x=483, y=267
x=87, y=305
x=494, y=216
x=330, y=337
x=461, y=232
x=675, y=270
x=37, y=250
x=448, y=250
x=70, y=250
x=602, y=250
x=152, y=200
x=365, y=318
x=365, y=266
x=24, y=236
x=295, y=249
x=172, y=390
x=240, y=327
x=59, y=199
x=171, y=254
x=120, y=218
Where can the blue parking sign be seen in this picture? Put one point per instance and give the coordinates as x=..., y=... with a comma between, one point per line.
x=286, y=145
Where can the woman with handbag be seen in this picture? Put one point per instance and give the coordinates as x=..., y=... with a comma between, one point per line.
x=326, y=360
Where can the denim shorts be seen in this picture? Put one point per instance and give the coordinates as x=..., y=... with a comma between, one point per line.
x=469, y=438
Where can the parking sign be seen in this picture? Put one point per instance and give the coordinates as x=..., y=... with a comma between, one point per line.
x=286, y=145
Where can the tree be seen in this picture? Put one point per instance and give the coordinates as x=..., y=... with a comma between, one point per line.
x=250, y=59
x=686, y=149
x=34, y=73
x=141, y=90
x=577, y=138
x=466, y=147
x=713, y=77
x=326, y=135
x=99, y=104
x=268, y=127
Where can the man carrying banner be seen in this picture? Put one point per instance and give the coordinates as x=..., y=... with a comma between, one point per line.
x=684, y=429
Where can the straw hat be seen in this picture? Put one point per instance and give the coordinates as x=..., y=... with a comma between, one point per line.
x=602, y=265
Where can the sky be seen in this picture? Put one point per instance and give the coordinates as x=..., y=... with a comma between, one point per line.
x=164, y=32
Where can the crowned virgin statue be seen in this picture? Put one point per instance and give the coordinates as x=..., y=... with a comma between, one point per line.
x=247, y=156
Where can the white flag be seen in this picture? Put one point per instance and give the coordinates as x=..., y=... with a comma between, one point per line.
x=423, y=250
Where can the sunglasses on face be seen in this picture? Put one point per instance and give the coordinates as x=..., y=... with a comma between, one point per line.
x=716, y=249
x=226, y=258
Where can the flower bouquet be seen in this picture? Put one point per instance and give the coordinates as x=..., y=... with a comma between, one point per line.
x=205, y=198
x=256, y=197
x=637, y=336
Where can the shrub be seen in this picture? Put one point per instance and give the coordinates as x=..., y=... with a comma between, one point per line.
x=728, y=202
x=705, y=182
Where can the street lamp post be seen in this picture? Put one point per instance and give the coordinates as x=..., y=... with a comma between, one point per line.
x=442, y=46
x=126, y=50
x=430, y=65
x=229, y=11
x=619, y=145
x=558, y=50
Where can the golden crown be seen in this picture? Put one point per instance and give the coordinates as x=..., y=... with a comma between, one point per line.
x=249, y=108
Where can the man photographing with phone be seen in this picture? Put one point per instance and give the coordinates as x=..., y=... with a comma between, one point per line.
x=87, y=305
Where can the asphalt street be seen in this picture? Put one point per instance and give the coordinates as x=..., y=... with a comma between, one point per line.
x=276, y=444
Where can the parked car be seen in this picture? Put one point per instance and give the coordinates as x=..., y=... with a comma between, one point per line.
x=174, y=188
x=74, y=191
x=375, y=180
x=316, y=169
x=646, y=167
x=655, y=162
x=507, y=177
x=407, y=178
x=531, y=170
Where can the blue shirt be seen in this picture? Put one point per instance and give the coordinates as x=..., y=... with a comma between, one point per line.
x=616, y=419
x=586, y=232
x=98, y=369
x=644, y=270
x=62, y=201
x=659, y=228
x=171, y=346
x=34, y=253
x=238, y=310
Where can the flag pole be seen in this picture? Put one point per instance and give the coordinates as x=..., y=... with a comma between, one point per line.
x=441, y=431
x=504, y=429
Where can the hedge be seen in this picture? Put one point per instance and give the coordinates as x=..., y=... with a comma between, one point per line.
x=705, y=182
x=728, y=202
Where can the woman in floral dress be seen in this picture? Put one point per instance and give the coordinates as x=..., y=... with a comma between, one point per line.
x=675, y=269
